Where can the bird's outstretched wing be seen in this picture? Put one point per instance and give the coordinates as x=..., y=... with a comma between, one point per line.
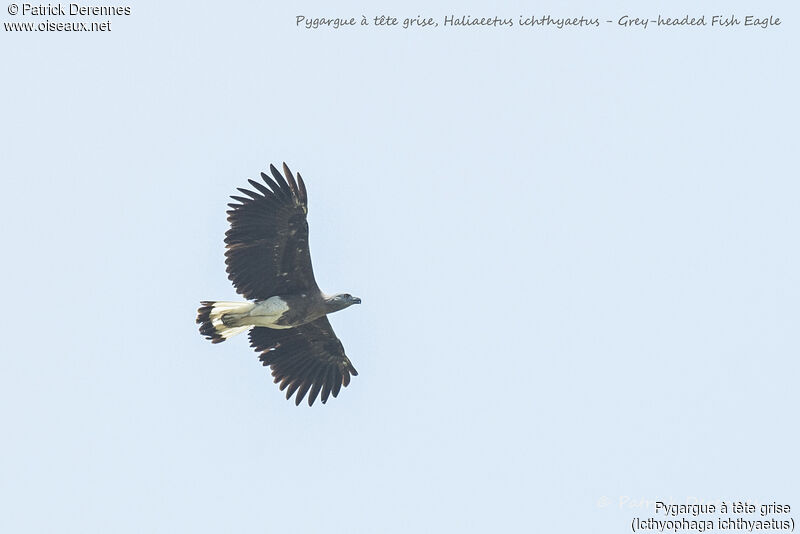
x=309, y=357
x=267, y=243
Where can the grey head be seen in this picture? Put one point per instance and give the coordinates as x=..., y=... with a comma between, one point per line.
x=340, y=302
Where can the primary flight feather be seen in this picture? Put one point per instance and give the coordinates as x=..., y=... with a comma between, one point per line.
x=270, y=265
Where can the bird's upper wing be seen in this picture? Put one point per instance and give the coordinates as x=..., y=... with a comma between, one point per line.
x=267, y=244
x=303, y=358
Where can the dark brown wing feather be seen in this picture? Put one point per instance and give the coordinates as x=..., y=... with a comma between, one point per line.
x=309, y=357
x=267, y=244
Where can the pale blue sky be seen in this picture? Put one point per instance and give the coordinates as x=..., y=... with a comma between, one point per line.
x=577, y=253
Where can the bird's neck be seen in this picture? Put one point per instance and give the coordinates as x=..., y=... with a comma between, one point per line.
x=332, y=304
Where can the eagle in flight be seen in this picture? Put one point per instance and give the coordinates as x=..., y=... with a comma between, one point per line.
x=270, y=265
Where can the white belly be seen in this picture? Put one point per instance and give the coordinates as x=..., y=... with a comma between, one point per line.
x=268, y=312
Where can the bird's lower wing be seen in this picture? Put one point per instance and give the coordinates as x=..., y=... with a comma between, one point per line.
x=307, y=359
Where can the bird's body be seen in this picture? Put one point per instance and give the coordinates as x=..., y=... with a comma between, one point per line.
x=270, y=264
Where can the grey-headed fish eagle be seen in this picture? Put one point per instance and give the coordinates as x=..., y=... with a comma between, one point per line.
x=269, y=263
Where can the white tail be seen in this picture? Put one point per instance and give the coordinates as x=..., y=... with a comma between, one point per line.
x=210, y=314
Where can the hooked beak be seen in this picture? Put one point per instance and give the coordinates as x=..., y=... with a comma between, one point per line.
x=356, y=300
